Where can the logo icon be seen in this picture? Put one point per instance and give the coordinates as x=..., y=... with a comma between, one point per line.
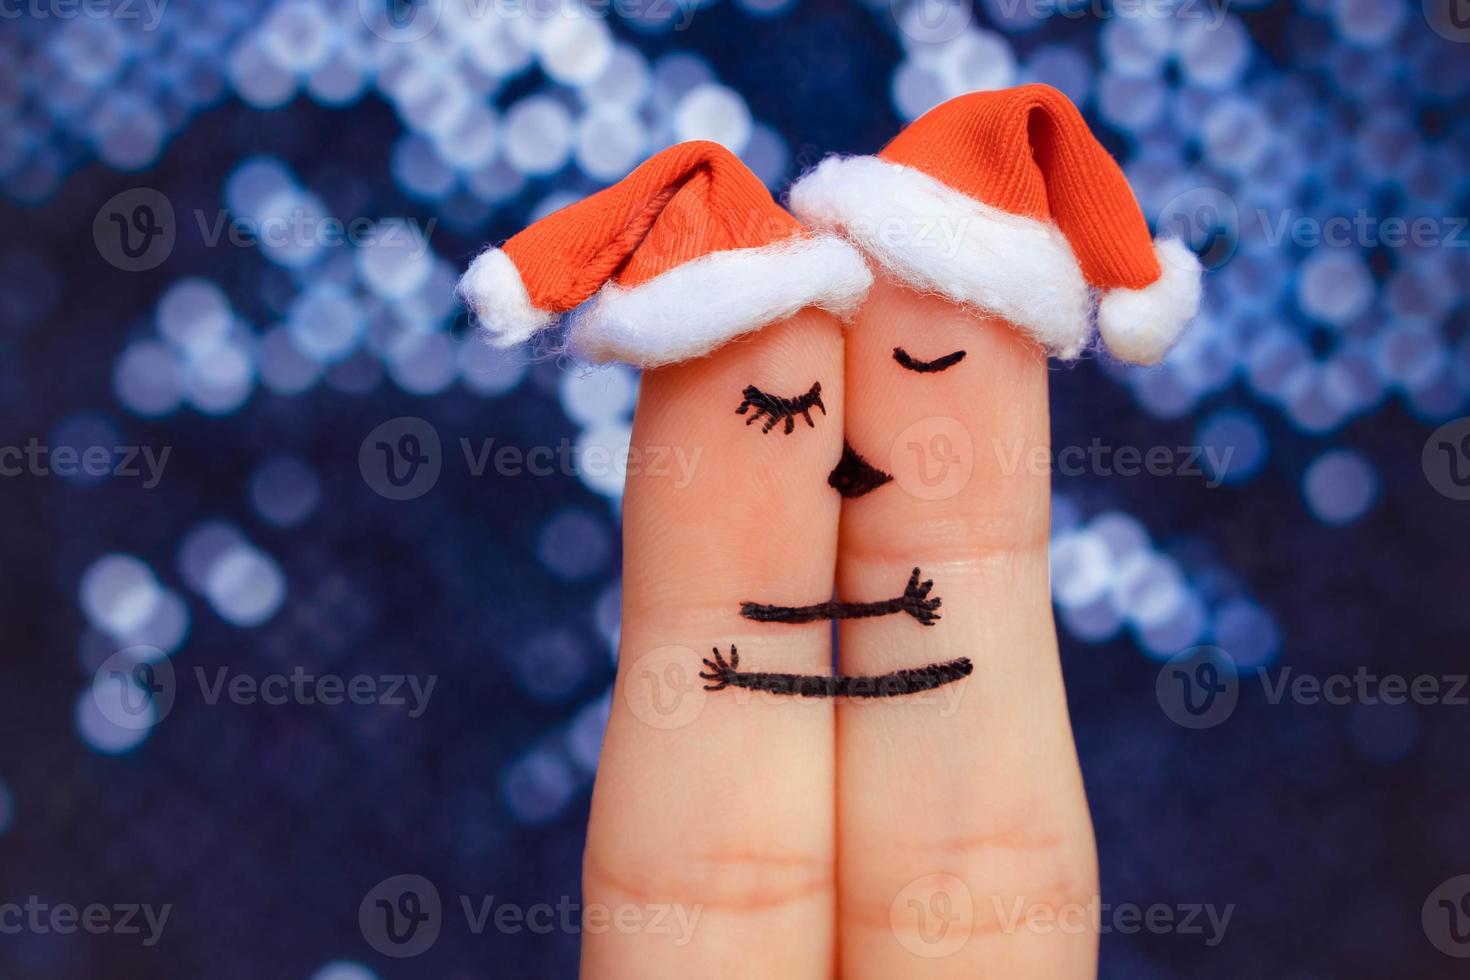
x=933, y=916
x=135, y=687
x=401, y=458
x=1450, y=19
x=401, y=21
x=401, y=916
x=1198, y=688
x=1446, y=458
x=933, y=459
x=1207, y=220
x=931, y=21
x=135, y=230
x=1446, y=917
x=663, y=688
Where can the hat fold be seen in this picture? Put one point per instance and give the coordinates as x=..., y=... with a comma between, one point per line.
x=694, y=308
x=1005, y=201
x=935, y=239
x=685, y=253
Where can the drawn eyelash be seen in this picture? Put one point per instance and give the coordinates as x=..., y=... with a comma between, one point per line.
x=777, y=409
x=722, y=673
x=907, y=360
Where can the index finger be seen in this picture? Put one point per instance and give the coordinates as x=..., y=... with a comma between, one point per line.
x=709, y=800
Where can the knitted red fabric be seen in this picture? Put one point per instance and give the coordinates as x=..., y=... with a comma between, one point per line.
x=1028, y=151
x=688, y=201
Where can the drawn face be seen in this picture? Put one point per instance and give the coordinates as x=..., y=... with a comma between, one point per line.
x=854, y=476
x=908, y=378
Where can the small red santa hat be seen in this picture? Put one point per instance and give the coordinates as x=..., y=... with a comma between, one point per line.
x=1006, y=201
x=686, y=252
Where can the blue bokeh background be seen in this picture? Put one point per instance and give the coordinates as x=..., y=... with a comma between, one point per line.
x=171, y=282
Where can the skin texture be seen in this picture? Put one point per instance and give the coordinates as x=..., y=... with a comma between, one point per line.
x=972, y=797
x=729, y=809
x=894, y=837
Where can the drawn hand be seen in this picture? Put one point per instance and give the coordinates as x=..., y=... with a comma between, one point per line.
x=811, y=830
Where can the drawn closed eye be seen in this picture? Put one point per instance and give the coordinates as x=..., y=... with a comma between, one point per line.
x=776, y=409
x=907, y=360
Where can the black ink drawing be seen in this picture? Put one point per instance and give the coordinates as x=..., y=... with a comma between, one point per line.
x=777, y=409
x=915, y=601
x=855, y=476
x=906, y=359
x=724, y=673
x=852, y=477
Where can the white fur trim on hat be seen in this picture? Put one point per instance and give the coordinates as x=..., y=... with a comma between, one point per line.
x=693, y=308
x=936, y=239
x=493, y=289
x=1140, y=325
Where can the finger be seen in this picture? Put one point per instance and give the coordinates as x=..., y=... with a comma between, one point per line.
x=718, y=804
x=960, y=805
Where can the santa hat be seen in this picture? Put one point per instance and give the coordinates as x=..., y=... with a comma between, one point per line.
x=1005, y=201
x=683, y=254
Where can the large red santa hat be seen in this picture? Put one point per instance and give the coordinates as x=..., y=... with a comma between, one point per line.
x=1005, y=201
x=685, y=253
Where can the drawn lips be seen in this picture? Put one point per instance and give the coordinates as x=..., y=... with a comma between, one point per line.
x=854, y=476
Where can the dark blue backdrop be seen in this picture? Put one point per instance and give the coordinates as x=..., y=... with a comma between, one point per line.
x=233, y=230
